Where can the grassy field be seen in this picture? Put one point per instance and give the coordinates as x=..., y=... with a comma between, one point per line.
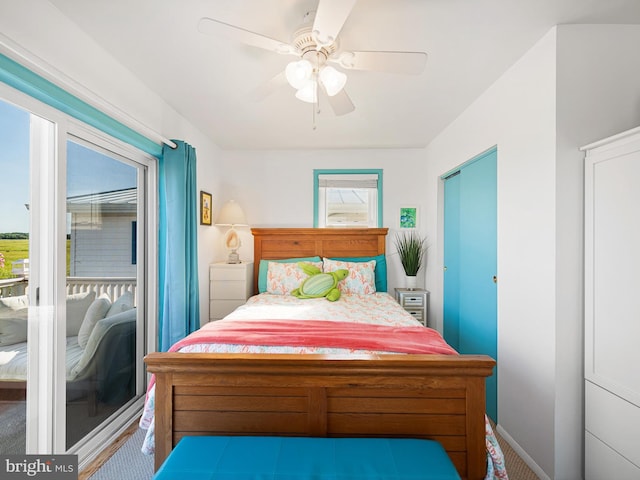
x=17, y=250
x=12, y=250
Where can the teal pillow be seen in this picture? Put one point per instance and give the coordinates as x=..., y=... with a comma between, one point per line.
x=380, y=271
x=264, y=267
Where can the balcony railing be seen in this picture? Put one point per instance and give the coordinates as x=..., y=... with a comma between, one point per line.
x=112, y=286
x=12, y=287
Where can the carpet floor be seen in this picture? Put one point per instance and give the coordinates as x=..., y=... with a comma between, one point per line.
x=13, y=420
x=12, y=433
x=517, y=469
x=128, y=462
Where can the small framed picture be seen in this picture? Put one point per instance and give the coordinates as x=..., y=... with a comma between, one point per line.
x=205, y=208
x=408, y=217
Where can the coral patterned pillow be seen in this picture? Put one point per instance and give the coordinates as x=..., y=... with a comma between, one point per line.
x=361, y=279
x=283, y=278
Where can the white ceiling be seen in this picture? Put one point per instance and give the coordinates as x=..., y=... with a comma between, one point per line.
x=470, y=43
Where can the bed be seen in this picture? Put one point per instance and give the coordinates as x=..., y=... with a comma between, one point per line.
x=434, y=396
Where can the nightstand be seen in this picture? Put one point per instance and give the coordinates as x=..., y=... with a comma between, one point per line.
x=230, y=284
x=415, y=302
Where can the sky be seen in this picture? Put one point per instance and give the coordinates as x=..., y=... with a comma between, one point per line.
x=88, y=171
x=14, y=169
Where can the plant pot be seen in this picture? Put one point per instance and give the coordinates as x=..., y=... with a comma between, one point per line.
x=411, y=282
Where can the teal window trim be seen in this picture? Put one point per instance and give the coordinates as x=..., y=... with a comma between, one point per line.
x=316, y=185
x=26, y=81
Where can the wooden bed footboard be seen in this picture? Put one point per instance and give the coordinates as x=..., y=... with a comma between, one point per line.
x=441, y=397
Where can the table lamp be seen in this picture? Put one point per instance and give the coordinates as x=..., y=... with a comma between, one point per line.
x=231, y=215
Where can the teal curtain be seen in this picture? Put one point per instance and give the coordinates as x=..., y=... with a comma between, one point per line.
x=179, y=307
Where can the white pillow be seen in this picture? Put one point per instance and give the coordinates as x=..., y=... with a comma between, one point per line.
x=12, y=331
x=14, y=312
x=122, y=304
x=77, y=306
x=96, y=311
x=283, y=278
x=7, y=304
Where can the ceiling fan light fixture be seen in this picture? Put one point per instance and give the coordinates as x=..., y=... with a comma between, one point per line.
x=299, y=73
x=333, y=80
x=309, y=92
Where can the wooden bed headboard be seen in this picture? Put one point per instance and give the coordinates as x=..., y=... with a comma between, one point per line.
x=279, y=243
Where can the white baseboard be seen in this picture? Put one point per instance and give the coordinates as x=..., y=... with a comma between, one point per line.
x=520, y=451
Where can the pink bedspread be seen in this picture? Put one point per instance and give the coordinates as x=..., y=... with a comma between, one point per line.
x=320, y=333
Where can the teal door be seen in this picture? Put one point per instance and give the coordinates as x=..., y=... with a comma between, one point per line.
x=470, y=258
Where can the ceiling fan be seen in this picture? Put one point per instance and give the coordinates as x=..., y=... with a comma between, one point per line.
x=317, y=45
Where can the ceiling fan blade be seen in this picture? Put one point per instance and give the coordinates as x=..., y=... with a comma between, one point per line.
x=412, y=63
x=263, y=91
x=340, y=103
x=330, y=17
x=209, y=26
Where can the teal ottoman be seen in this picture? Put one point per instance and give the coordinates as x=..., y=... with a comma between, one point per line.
x=306, y=458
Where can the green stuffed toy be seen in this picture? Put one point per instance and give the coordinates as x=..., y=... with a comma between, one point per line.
x=319, y=284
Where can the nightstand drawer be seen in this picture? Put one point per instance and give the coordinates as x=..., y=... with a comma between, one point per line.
x=230, y=285
x=413, y=300
x=222, y=272
x=229, y=290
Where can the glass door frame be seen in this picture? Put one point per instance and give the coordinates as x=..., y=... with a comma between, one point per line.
x=46, y=396
x=42, y=373
x=146, y=253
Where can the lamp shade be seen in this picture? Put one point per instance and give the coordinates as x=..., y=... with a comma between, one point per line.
x=231, y=214
x=299, y=73
x=333, y=80
x=308, y=93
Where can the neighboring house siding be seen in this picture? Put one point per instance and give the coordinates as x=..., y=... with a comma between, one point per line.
x=102, y=247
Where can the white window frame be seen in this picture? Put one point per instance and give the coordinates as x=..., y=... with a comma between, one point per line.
x=370, y=180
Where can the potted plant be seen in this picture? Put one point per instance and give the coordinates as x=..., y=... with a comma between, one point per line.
x=411, y=250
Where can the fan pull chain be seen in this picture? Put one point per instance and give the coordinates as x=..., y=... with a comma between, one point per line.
x=316, y=105
x=313, y=116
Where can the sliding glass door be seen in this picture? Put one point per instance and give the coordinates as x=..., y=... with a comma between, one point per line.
x=102, y=271
x=89, y=231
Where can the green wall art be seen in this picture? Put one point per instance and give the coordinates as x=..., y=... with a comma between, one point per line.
x=408, y=217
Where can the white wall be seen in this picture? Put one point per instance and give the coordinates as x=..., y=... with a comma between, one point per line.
x=275, y=189
x=598, y=84
x=518, y=115
x=575, y=85
x=62, y=51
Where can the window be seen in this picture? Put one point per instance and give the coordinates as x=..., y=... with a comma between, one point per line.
x=347, y=198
